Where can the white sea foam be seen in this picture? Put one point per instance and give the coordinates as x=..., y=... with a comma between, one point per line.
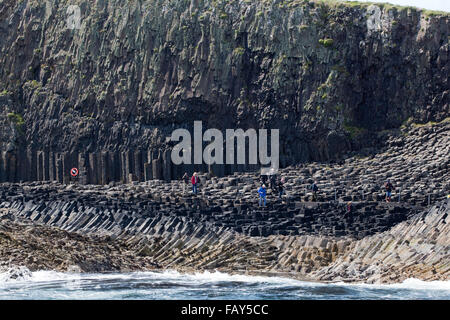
x=15, y=274
x=216, y=276
x=207, y=276
x=168, y=275
x=413, y=283
x=171, y=284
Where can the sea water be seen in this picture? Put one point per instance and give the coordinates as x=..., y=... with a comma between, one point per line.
x=206, y=285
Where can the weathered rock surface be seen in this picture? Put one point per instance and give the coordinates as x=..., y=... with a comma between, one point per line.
x=414, y=158
x=43, y=248
x=113, y=216
x=416, y=161
x=223, y=227
x=330, y=76
x=416, y=248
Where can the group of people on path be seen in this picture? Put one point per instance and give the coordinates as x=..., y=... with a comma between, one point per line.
x=277, y=185
x=195, y=182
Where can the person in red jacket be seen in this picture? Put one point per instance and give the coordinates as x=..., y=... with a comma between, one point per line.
x=194, y=181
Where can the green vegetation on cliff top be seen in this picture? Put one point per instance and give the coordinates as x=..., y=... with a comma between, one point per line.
x=357, y=4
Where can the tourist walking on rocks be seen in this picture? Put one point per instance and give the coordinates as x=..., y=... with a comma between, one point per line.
x=263, y=179
x=280, y=186
x=262, y=195
x=185, y=180
x=349, y=207
x=314, y=189
x=388, y=186
x=195, y=181
x=273, y=182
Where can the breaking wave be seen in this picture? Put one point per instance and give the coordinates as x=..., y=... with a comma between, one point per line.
x=20, y=283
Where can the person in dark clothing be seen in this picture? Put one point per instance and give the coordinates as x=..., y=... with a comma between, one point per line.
x=280, y=187
x=273, y=182
x=263, y=179
x=389, y=187
x=314, y=189
x=185, y=180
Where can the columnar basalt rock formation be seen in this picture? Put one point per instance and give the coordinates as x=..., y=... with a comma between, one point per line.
x=331, y=76
x=414, y=158
x=224, y=228
x=359, y=92
x=137, y=210
x=418, y=247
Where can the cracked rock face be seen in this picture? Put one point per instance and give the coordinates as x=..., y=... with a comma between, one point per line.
x=416, y=248
x=157, y=224
x=328, y=76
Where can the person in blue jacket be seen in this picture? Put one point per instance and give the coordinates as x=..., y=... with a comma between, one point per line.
x=262, y=195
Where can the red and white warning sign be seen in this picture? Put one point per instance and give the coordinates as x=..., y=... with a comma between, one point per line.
x=74, y=172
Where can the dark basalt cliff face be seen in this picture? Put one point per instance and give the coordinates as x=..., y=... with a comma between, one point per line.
x=330, y=76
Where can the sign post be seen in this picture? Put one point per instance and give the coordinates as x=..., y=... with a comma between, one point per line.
x=74, y=172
